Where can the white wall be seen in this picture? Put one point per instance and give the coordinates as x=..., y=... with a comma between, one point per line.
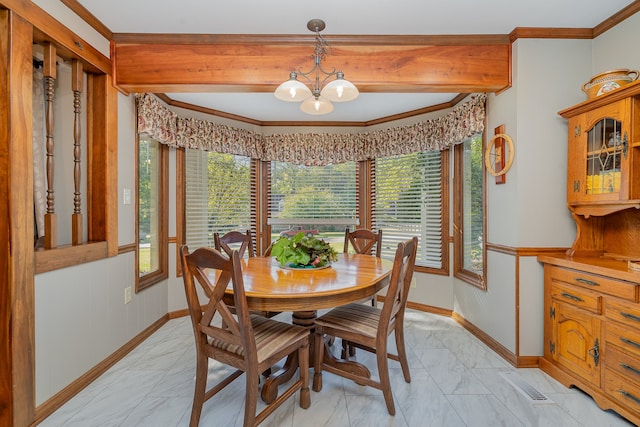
x=618, y=47
x=126, y=169
x=80, y=316
x=530, y=209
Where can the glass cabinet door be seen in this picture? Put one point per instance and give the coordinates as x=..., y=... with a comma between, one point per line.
x=607, y=146
x=598, y=164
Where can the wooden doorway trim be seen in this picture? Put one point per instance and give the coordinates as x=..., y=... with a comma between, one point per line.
x=17, y=342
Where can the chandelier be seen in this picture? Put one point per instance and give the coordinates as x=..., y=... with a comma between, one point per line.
x=319, y=97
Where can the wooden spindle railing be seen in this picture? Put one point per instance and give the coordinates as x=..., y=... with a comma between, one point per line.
x=76, y=219
x=49, y=70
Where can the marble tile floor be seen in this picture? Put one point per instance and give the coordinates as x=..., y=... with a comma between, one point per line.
x=455, y=382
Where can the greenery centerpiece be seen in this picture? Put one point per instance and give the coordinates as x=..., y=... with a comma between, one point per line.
x=301, y=251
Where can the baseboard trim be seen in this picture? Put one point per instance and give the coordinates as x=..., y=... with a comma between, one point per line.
x=527, y=361
x=494, y=345
x=430, y=309
x=502, y=351
x=64, y=395
x=70, y=391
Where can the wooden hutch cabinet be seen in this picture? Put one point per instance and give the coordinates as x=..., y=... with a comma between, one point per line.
x=591, y=296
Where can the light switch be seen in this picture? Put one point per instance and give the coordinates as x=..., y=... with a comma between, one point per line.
x=126, y=196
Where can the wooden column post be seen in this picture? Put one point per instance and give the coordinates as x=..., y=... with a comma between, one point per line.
x=17, y=348
x=76, y=86
x=49, y=69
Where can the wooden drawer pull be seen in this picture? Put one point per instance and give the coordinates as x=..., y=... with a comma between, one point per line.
x=630, y=368
x=586, y=281
x=629, y=395
x=575, y=298
x=630, y=316
x=628, y=341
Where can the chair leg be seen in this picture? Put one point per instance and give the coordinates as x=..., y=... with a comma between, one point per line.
x=202, y=369
x=348, y=350
x=385, y=383
x=303, y=360
x=251, y=398
x=318, y=355
x=402, y=353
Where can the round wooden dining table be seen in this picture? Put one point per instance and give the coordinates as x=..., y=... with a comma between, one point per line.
x=272, y=288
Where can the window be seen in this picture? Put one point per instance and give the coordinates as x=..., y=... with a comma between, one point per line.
x=152, y=212
x=323, y=195
x=410, y=201
x=219, y=196
x=469, y=223
x=409, y=198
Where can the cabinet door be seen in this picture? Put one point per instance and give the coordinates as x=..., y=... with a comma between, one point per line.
x=576, y=336
x=599, y=154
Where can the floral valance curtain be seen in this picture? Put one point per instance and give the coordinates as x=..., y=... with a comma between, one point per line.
x=165, y=126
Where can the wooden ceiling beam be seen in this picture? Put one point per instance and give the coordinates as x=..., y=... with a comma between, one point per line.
x=384, y=67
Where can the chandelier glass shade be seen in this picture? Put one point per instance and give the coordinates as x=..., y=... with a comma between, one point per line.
x=318, y=95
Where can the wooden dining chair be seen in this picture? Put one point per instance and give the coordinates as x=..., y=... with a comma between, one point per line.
x=267, y=252
x=362, y=241
x=248, y=342
x=369, y=328
x=243, y=243
x=229, y=241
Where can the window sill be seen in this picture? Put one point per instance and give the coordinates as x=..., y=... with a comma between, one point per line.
x=151, y=279
x=471, y=278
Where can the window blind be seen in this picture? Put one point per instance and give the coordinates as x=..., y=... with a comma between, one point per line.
x=220, y=195
x=408, y=202
x=313, y=192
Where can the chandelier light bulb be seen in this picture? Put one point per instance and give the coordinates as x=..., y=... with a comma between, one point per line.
x=292, y=90
x=316, y=106
x=340, y=90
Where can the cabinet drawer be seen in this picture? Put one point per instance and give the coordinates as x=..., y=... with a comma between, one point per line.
x=576, y=296
x=623, y=312
x=622, y=390
x=623, y=337
x=626, y=365
x=607, y=285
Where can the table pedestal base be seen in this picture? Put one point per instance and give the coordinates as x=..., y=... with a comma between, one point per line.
x=269, y=391
x=307, y=319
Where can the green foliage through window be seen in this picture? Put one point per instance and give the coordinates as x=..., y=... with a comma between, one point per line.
x=408, y=202
x=218, y=195
x=323, y=192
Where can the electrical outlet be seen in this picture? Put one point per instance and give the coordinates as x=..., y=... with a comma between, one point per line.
x=127, y=295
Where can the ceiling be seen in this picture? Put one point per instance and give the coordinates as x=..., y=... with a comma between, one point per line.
x=353, y=17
